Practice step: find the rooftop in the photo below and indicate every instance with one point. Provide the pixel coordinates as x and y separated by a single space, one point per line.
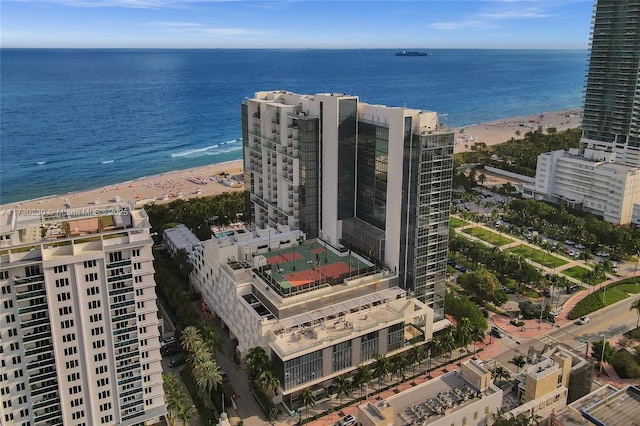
33 226
432 400
308 266
330 323
621 408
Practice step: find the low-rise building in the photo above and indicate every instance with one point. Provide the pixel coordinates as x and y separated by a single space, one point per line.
179 238
544 385
460 397
604 406
592 181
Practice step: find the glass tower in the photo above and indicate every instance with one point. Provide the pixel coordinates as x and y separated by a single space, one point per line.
612 96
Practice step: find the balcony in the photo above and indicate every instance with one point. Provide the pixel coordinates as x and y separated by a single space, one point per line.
29 280
34 308
131 392
119 277
36 336
27 323
41 349
125 262
127 355
129 380
29 294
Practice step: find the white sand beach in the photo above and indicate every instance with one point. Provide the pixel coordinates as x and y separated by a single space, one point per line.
501 131
188 183
161 188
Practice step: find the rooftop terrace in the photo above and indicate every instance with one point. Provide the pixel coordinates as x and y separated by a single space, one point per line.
308 266
32 226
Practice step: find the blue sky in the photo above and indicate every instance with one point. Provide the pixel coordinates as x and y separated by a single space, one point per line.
296 24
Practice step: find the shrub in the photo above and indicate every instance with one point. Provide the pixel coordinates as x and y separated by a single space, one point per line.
589 304
626 365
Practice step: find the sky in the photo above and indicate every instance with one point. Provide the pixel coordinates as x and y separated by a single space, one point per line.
420 24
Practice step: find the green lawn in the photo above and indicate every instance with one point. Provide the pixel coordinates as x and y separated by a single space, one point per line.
619 292
579 273
614 293
454 222
538 256
488 236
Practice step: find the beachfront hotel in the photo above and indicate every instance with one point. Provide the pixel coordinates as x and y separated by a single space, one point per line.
603 175
346 255
79 326
368 178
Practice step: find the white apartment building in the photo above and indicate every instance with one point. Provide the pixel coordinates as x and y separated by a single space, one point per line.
78 325
318 312
369 178
591 181
179 238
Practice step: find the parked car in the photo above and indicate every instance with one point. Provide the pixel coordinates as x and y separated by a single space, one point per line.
167 341
177 362
349 420
171 350
583 320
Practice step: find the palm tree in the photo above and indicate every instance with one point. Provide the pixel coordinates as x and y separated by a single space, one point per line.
175 397
381 366
307 400
257 360
636 305
500 373
342 385
399 365
447 340
362 376
463 332
190 338
416 355
519 361
477 335
207 377
186 412
269 383
200 355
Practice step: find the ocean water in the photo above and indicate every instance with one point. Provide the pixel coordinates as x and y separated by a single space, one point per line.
73 119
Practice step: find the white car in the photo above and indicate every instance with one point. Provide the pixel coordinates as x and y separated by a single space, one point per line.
167 341
349 420
583 320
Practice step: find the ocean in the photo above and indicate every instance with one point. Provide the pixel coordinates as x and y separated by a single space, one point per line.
74 119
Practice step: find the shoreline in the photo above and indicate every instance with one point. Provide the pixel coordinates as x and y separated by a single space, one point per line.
168 186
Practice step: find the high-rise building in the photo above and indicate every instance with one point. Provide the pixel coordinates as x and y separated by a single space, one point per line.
612 98
603 175
78 324
368 178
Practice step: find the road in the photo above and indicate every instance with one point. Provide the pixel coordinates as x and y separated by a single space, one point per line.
611 321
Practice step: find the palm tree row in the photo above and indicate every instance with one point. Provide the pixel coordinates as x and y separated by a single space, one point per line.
178 406
260 371
201 352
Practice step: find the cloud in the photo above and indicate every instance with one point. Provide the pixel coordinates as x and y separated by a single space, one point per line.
195 27
463 25
489 19
530 12
172 24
